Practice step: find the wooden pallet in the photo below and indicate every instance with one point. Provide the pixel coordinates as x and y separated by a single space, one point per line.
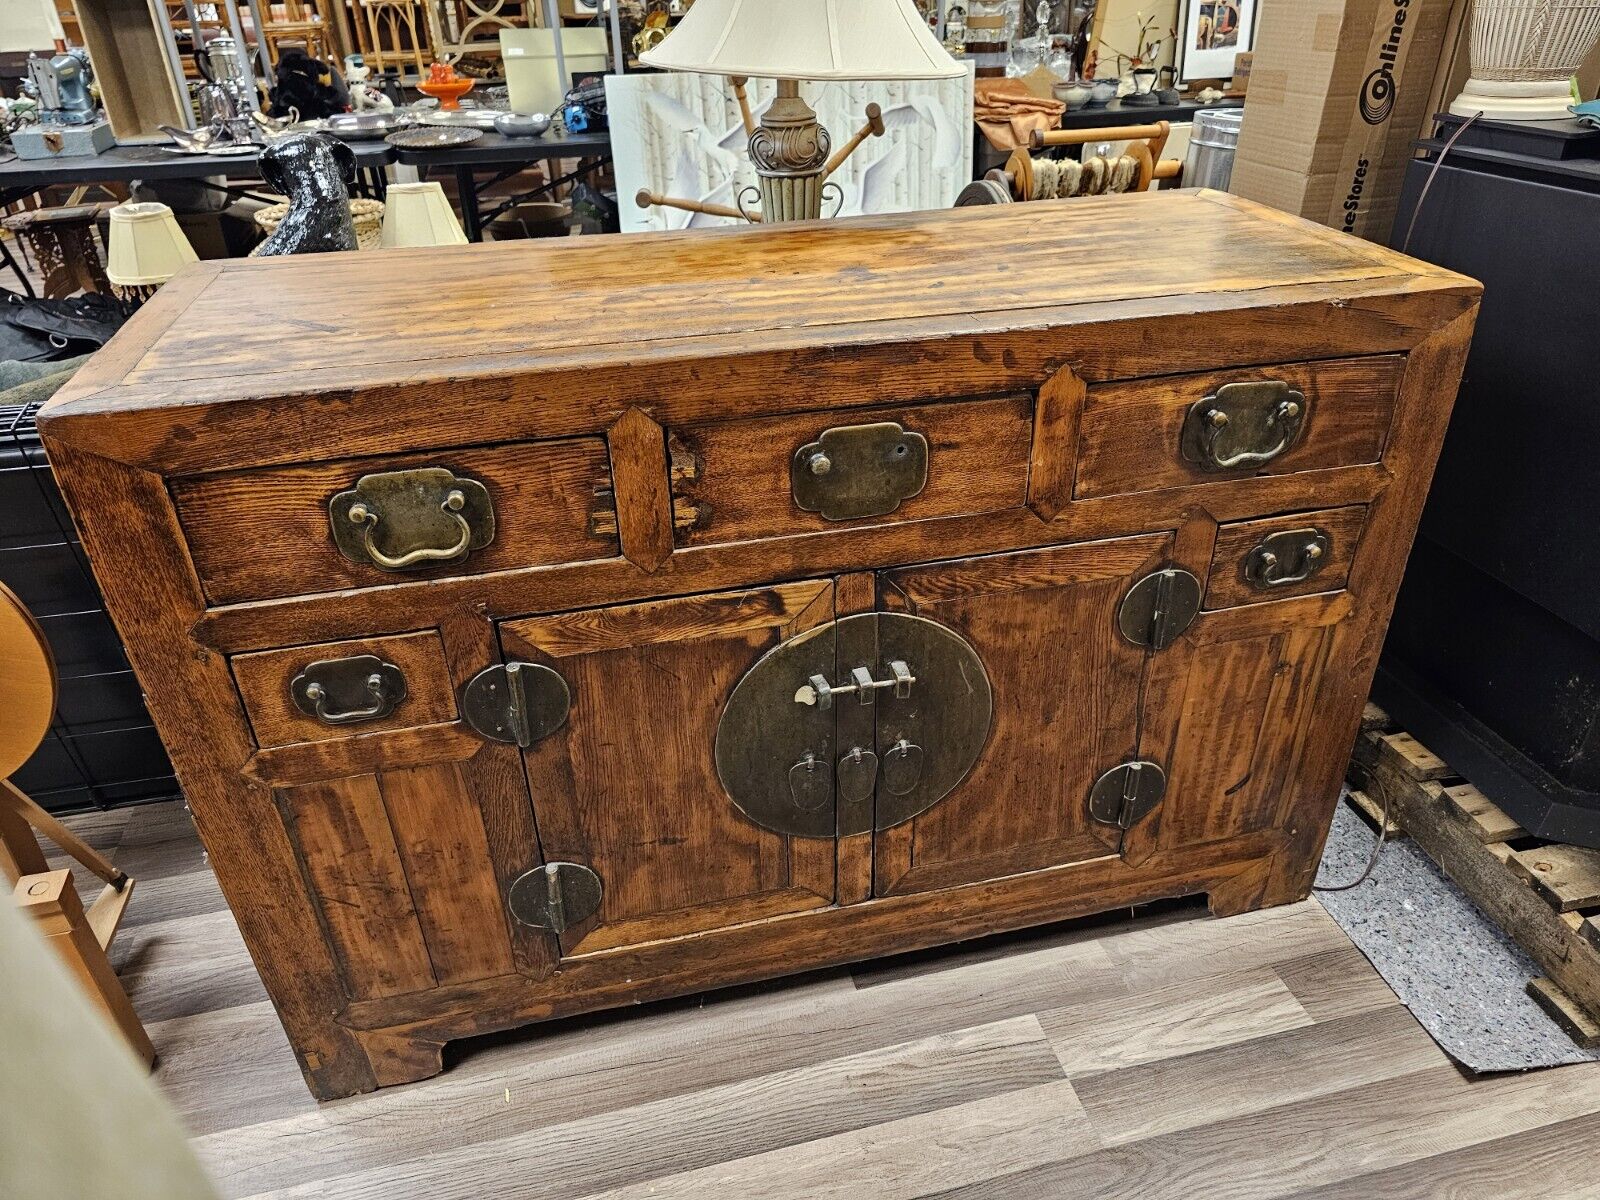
1544 895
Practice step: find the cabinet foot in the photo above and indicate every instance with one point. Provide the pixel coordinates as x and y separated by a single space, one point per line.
400 1057
1242 892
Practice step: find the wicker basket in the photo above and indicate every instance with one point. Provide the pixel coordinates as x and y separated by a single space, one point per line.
1516 40
367 215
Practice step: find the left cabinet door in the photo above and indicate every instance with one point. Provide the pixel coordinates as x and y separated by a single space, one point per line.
628 786
408 826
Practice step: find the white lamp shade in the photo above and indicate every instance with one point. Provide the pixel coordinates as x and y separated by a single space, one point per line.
147 247
417 214
805 39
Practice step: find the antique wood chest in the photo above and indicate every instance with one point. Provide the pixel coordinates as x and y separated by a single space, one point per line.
543 628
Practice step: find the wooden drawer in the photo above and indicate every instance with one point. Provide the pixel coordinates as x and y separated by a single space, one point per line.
1131 438
1236 566
731 480
260 534
265 681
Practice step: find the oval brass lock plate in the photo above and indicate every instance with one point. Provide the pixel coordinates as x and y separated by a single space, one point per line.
409 520
1243 425
766 740
929 736
347 691
855 471
924 691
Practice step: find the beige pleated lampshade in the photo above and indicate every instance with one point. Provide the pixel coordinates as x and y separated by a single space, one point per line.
805 39
417 214
147 247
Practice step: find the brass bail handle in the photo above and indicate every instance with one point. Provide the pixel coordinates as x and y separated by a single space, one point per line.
377 686
1217 420
452 505
819 692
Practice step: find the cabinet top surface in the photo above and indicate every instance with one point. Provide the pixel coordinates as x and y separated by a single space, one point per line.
272 328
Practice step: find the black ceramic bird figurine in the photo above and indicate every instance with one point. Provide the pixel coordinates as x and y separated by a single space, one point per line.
315 171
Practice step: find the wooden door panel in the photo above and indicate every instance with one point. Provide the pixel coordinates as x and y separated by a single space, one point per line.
628 786
1066 696
400 860
1228 731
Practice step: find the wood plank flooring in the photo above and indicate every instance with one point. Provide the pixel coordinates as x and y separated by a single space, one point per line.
1162 1055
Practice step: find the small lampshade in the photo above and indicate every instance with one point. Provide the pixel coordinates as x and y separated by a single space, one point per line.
417 214
805 39
147 247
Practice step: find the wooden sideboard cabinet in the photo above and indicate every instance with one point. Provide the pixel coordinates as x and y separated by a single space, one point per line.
541 628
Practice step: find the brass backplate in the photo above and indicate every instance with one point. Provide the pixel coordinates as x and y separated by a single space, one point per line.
517 702
1243 425
555 897
764 734
854 471
1159 607
409 520
946 716
347 691
893 742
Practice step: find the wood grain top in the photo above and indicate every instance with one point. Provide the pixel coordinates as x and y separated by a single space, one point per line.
248 329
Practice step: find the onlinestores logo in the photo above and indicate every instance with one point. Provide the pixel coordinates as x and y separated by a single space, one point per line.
1377 92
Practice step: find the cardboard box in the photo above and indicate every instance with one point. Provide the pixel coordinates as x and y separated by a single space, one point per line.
1337 93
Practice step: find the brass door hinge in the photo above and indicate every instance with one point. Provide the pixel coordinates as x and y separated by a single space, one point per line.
1127 793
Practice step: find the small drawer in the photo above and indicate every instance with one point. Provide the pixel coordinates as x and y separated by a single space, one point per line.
254 535
414 688
1277 557
736 481
1144 435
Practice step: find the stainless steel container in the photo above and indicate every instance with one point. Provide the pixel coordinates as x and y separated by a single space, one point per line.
1211 147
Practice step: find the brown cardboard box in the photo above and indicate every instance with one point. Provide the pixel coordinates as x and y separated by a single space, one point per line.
1337 91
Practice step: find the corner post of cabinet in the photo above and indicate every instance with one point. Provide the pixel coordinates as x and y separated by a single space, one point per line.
151 591
1421 415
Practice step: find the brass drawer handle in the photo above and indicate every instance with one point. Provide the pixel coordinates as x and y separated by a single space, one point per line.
454 502
398 520
347 691
1292 556
1243 425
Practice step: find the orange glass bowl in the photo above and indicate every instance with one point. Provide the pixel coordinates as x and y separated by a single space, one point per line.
447 91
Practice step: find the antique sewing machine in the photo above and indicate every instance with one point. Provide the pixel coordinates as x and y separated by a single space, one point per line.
70 122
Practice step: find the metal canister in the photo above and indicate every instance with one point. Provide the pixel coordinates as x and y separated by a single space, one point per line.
1211 146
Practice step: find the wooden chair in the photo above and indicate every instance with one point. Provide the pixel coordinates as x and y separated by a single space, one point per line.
81 936
394 34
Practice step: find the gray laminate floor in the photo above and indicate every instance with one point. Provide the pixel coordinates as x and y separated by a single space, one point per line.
1170 1055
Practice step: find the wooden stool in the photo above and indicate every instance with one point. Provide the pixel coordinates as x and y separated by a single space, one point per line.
81 936
62 241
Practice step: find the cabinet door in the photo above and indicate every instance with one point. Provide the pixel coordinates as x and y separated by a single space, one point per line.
628 785
1066 688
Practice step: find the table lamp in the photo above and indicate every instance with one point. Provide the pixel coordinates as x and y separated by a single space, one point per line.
146 248
792 40
417 214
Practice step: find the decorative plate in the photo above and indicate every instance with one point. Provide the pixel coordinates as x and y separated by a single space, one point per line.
433 137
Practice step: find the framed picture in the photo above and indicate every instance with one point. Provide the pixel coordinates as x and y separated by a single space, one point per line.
1210 34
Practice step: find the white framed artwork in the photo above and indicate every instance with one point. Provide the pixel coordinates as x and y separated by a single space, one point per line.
1211 34
680 134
